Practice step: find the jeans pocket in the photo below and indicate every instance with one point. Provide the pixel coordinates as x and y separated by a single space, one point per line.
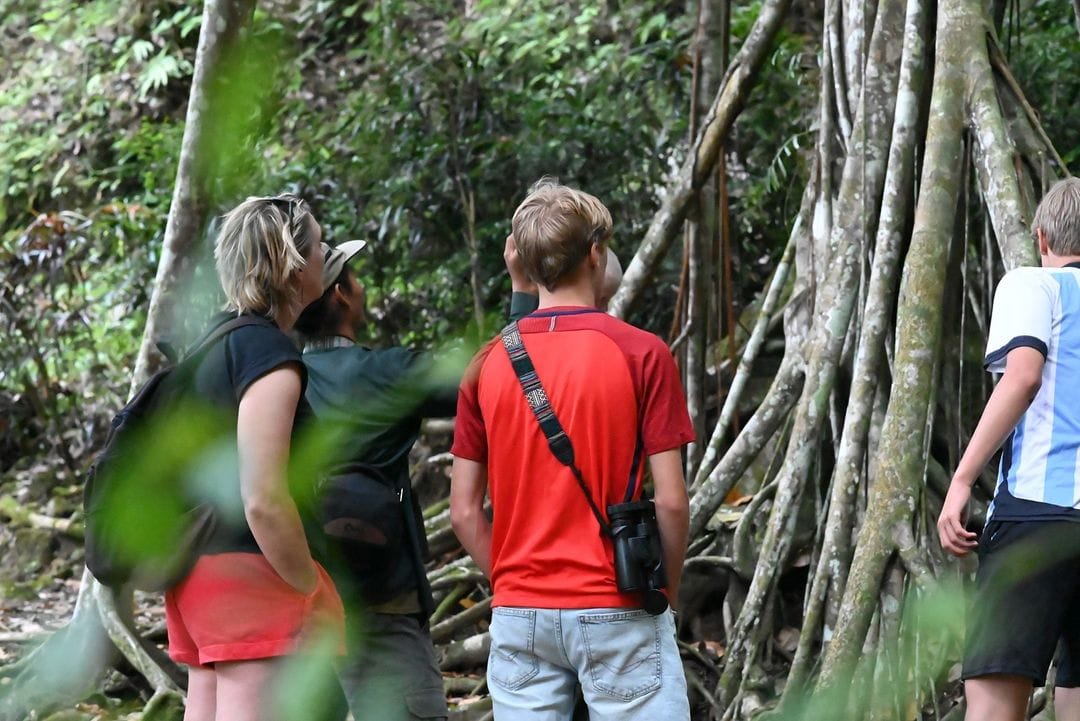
623 652
512 663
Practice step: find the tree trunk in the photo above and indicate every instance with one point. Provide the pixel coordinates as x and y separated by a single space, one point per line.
862 178
831 571
962 84
918 329
222 21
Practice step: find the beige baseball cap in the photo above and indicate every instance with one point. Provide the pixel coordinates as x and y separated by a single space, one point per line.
335 257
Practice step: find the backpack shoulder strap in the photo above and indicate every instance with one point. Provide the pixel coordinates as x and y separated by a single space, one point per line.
221 331
537 398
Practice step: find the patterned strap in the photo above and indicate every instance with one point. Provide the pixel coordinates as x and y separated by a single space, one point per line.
558 441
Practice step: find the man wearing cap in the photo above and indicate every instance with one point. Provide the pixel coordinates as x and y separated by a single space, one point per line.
378 398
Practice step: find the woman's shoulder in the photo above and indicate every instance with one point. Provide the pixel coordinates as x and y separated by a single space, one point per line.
254 350
261 337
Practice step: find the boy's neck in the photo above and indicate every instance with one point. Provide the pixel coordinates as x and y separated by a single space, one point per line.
563 297
579 294
1050 260
346 330
578 289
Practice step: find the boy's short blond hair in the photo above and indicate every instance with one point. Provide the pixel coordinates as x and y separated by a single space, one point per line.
261 244
1058 216
555 227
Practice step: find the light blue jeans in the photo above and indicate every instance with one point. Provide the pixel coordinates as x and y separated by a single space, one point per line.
626 661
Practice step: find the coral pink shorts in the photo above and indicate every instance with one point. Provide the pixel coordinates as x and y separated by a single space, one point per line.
235 607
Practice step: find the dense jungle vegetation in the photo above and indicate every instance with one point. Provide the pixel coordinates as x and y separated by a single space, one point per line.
405 123
417 125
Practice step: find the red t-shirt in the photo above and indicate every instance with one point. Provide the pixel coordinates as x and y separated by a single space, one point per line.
608 383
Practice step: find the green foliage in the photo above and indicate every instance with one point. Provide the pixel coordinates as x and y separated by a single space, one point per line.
242 99
1042 49
90 78
180 456
84 188
68 309
443 113
312 689
91 121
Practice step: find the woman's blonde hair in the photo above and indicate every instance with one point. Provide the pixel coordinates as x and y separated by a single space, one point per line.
261 244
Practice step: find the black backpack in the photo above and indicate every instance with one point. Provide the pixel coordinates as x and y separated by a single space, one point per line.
142 526
364 536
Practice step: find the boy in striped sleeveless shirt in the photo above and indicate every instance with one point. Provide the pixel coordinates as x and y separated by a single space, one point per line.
1027 589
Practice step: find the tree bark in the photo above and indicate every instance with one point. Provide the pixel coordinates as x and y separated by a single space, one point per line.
900 464
763 425
746 364
702 229
996 160
831 570
718 475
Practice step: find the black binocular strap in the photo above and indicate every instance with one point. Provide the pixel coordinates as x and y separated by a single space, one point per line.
558 441
639 447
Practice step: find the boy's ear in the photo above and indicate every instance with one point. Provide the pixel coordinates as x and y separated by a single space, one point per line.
596 251
1044 246
340 296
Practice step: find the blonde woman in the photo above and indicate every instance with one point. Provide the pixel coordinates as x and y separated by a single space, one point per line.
256 593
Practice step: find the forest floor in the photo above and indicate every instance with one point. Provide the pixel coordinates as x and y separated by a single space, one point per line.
27 619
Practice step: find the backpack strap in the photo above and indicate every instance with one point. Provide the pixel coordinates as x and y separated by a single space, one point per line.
221 331
558 441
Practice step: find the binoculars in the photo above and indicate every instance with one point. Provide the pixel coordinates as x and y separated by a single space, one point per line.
639 560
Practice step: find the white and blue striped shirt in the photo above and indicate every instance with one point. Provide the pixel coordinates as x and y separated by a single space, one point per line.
1039 475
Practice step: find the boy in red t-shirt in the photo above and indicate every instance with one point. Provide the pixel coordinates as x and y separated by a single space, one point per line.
558 617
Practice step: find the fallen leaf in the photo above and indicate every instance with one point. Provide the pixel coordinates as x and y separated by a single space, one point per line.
734 498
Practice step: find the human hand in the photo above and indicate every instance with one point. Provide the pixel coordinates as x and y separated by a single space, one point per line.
519 280
305 583
955 538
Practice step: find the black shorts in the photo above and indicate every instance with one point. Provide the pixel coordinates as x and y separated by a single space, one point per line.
1027 602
